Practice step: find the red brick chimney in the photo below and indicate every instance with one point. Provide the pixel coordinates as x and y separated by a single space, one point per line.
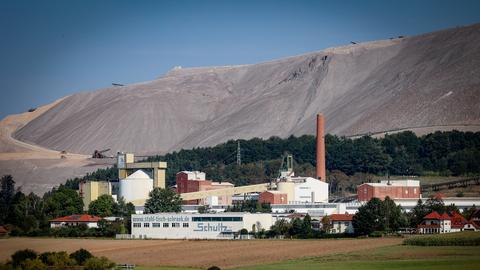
321 173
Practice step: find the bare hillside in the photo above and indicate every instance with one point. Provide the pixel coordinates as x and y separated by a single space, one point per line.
431 79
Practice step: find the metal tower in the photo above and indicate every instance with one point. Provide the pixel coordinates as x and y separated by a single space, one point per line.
239 155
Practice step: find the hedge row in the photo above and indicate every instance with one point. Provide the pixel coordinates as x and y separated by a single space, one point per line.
453 239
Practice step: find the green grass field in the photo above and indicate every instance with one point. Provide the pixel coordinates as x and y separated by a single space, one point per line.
394 257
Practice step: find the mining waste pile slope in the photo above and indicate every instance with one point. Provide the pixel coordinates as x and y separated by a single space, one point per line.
431 79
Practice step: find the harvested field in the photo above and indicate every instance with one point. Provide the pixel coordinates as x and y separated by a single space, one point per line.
226 254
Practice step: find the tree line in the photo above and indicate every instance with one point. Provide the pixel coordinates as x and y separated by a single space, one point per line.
29 214
440 153
451 153
28 259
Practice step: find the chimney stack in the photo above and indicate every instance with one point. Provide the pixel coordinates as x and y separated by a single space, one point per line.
321 174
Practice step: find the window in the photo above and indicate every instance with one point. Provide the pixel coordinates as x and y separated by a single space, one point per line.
146 225
217 219
137 225
156 225
365 190
185 225
346 223
165 225
414 190
175 225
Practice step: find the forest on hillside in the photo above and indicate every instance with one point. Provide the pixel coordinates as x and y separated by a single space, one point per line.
440 153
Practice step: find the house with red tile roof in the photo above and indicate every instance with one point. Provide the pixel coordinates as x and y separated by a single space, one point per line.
458 221
435 223
474 222
75 220
341 223
447 222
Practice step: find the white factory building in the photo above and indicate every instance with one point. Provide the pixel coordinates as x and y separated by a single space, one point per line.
197 226
308 189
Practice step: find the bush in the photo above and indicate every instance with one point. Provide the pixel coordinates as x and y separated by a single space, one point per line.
20 256
59 260
44 257
6 266
81 255
101 263
214 268
35 264
376 234
452 239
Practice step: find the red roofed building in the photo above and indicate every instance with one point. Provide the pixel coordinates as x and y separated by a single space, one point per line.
75 220
474 222
445 223
458 221
341 223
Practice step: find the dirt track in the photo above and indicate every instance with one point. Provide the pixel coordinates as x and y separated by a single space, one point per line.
225 254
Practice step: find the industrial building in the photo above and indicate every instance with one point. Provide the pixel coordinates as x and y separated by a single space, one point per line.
195 181
395 189
126 165
286 189
197 226
136 180
91 190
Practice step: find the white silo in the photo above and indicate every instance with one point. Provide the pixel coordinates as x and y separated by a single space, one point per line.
136 187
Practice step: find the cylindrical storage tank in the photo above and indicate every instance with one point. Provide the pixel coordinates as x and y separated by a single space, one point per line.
288 188
135 187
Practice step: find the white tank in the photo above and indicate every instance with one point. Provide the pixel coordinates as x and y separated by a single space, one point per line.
135 187
288 188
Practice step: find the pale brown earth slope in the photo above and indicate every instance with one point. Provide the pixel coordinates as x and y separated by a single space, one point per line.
37 168
420 82
431 79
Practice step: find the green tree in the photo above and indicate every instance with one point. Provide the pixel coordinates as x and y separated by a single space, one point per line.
62 202
7 192
123 209
395 218
103 206
467 213
369 218
417 214
296 227
81 255
20 256
307 226
163 200
435 204
280 227
326 225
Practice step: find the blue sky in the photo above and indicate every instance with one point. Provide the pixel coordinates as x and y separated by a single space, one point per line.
50 49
